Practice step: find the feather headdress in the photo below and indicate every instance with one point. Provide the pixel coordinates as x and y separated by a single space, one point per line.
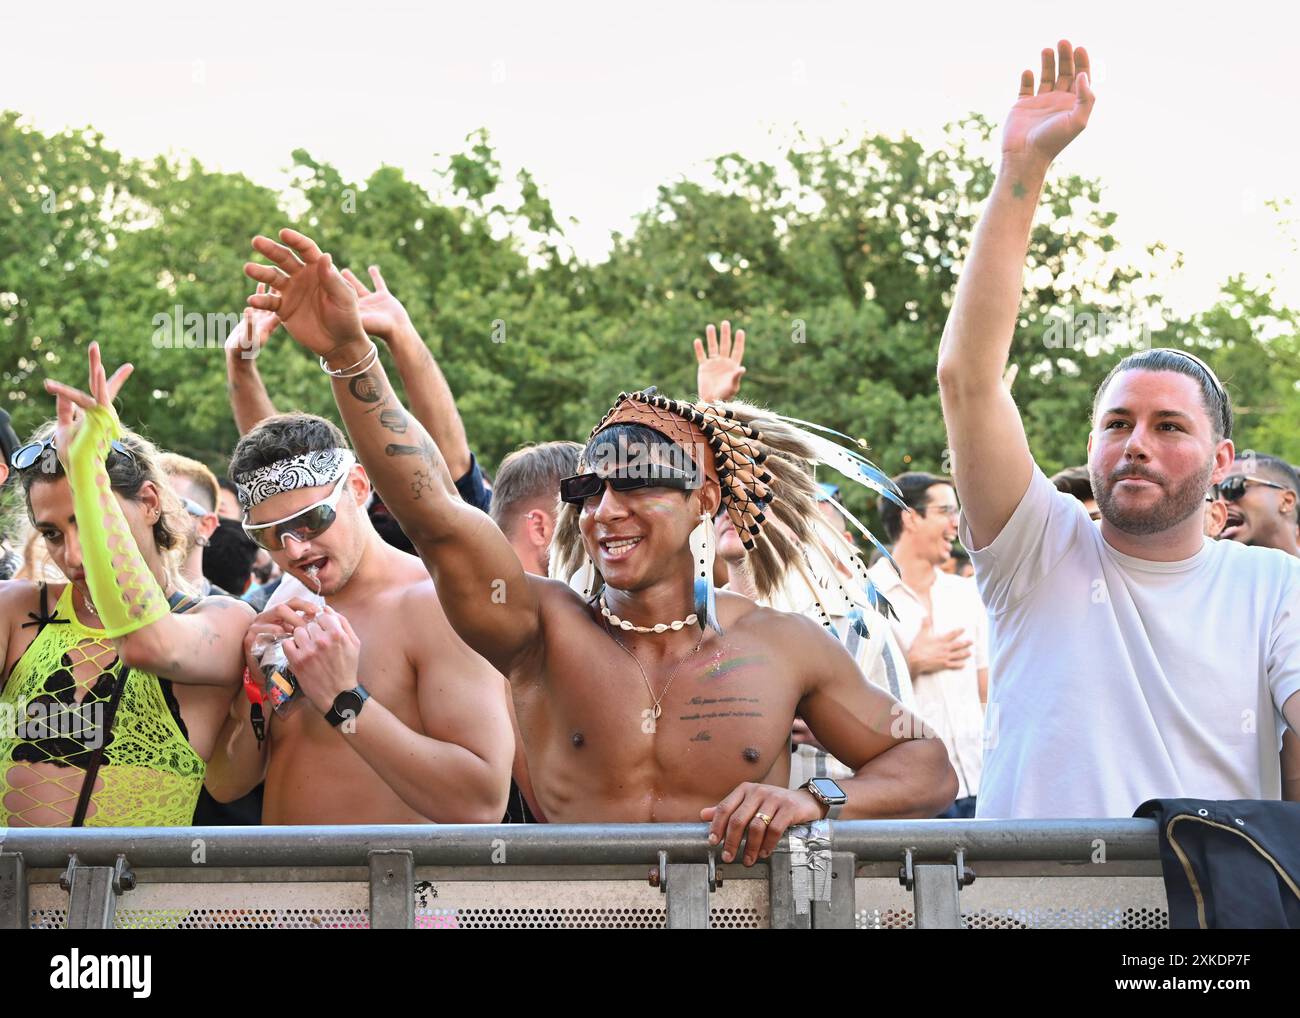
763 464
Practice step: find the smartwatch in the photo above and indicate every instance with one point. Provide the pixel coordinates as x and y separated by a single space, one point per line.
829 794
347 704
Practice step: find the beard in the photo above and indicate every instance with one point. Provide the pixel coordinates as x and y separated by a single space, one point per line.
1175 506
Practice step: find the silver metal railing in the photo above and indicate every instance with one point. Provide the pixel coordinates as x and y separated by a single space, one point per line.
865 874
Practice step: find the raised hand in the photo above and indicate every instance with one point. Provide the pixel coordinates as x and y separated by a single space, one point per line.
382 314
719 372
308 294
71 401
1041 125
254 329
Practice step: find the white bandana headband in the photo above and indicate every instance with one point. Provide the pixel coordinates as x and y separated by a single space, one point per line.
309 470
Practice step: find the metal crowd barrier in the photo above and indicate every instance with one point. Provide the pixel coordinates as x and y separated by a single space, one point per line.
864 874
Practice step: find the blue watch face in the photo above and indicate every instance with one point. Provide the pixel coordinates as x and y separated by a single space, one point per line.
827 788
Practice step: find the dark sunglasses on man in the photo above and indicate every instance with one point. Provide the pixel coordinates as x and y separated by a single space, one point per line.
302 526
1231 489
32 453
577 489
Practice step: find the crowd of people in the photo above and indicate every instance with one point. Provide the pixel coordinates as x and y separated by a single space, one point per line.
674 618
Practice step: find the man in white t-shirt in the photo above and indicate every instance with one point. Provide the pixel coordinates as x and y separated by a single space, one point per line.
941 624
1132 658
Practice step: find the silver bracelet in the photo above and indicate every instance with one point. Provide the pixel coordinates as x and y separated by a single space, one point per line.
352 370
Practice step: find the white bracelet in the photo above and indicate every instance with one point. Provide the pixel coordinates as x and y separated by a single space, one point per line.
352 370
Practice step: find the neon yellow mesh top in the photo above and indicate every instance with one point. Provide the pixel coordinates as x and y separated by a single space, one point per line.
150 775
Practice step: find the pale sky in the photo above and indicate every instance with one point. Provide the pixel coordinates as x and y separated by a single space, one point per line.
1194 129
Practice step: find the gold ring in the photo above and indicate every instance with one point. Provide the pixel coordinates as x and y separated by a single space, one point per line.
765 818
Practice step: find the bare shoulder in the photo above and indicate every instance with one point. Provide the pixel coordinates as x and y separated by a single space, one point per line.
224 611
768 624
806 648
556 596
17 595
416 611
20 599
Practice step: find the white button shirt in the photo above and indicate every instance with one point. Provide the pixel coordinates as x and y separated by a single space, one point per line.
948 700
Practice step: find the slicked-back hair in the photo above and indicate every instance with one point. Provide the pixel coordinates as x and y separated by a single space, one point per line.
529 475
282 437
913 485
1214 397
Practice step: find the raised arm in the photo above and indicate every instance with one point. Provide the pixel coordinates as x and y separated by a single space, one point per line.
201 647
991 459
488 598
427 392
249 400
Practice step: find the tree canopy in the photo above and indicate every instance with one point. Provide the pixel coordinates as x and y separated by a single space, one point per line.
840 262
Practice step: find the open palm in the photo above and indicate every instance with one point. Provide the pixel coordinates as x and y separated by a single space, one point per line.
1041 125
382 314
719 372
312 300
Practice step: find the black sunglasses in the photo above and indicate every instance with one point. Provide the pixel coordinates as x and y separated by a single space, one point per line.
1231 489
577 489
30 454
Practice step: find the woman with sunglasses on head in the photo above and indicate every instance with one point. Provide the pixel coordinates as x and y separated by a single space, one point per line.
118 680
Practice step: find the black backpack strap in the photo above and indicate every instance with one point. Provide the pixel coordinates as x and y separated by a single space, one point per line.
180 602
97 757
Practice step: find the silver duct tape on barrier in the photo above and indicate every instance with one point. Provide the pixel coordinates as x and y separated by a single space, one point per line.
810 864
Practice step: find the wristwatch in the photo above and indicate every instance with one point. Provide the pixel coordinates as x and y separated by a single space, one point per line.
829 794
347 704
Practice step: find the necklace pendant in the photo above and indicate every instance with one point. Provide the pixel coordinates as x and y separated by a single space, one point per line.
658 711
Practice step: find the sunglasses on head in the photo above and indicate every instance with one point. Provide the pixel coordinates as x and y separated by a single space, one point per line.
1231 489
577 489
29 455
304 525
192 507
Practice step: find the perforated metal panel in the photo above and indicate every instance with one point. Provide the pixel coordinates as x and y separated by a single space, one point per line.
574 904
880 903
1024 903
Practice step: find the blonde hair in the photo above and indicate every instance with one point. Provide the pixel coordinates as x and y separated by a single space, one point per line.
176 465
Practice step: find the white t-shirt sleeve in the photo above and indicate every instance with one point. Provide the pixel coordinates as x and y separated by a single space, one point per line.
981 633
1284 649
1044 527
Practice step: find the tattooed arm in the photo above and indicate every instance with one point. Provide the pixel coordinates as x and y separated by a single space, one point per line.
992 464
489 600
427 391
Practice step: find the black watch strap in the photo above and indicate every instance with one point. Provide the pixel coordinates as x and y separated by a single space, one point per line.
347 704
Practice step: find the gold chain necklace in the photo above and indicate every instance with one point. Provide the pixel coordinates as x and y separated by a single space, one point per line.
657 710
